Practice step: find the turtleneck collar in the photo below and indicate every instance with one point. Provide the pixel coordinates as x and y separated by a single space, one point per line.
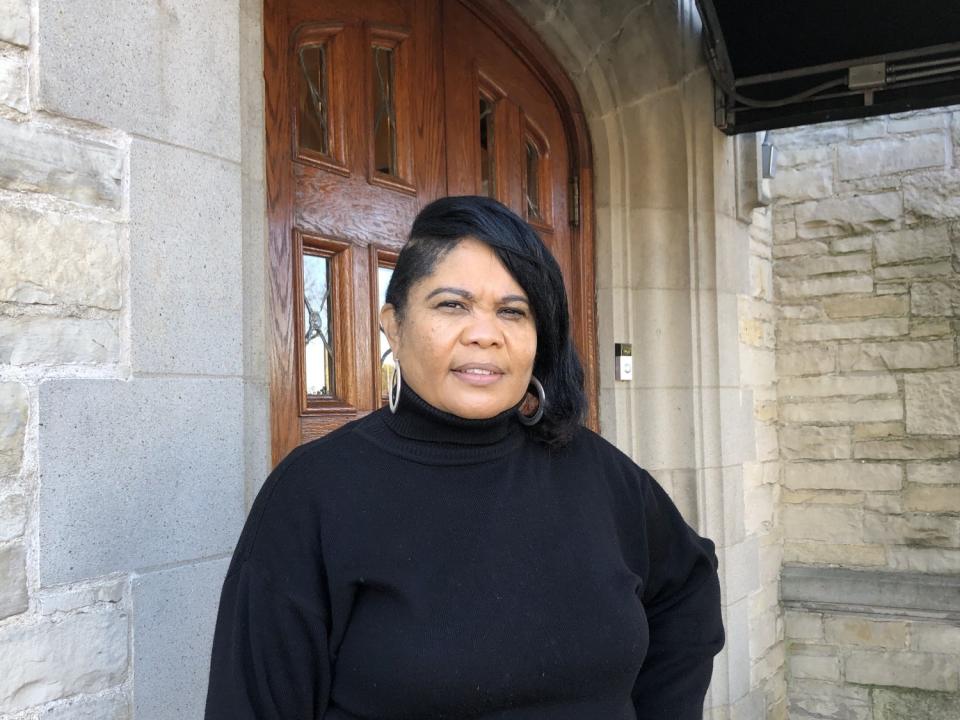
421 432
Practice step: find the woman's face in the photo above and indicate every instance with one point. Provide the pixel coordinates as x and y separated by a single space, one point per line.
467 340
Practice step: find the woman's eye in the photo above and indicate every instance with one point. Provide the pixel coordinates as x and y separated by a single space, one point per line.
514 312
455 304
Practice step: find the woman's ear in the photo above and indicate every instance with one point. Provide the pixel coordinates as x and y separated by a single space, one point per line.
391 327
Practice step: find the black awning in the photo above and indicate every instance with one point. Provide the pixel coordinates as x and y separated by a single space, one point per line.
781 63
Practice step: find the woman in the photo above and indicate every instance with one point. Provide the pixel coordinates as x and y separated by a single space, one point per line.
470 551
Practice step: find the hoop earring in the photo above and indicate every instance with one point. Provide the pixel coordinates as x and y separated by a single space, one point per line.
396 383
542 397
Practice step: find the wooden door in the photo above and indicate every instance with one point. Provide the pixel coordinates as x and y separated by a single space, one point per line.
375 108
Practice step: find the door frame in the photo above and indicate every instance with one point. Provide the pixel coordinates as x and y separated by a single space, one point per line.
503 19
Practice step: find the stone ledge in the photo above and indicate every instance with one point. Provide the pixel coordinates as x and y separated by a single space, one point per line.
871 592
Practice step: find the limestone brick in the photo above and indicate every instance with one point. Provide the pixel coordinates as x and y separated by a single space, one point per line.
888 503
829 285
785 230
13 82
15 21
933 402
824 497
899 703
896 355
935 637
947 473
800 312
57 259
914 529
892 155
806 266
809 361
851 245
869 128
902 669
833 385
828 524
818 553
907 449
814 442
829 411
804 248
803 156
13 516
869 431
815 667
854 630
866 306
927 560
911 244
52 340
80 653
843 476
45 161
928 498
872 328
801 625
891 288
13 419
805 183
928 327
108 706
935 298
908 272
934 195
915 120
13 580
822 700
855 215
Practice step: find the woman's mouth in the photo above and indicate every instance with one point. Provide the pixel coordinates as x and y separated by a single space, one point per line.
478 374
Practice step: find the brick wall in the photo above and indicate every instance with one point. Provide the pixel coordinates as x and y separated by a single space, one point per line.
867 275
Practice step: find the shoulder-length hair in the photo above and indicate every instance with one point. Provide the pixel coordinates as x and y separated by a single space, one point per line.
439 227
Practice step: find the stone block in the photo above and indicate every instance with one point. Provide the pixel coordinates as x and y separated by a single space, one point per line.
914 529
843 476
15 22
818 553
855 215
46 340
45 161
911 244
806 183
831 411
891 288
933 402
868 128
889 704
803 625
867 306
946 473
829 285
815 667
932 194
13 580
181 79
813 442
804 248
892 155
110 706
799 156
897 355
13 516
902 669
823 523
938 298
870 431
928 498
835 385
809 311
79 597
81 653
823 497
935 637
184 273
14 406
13 82
659 252
809 361
822 700
174 615
851 245
862 631
923 328
925 560
51 259
845 330
824 265
915 120
909 272
172 438
661 445
906 449
665 185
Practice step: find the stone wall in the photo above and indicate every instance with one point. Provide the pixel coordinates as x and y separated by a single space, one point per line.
867 267
133 420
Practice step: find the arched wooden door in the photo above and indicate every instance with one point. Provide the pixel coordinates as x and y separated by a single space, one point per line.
375 108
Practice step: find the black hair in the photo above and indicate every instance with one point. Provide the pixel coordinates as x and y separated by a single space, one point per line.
439 227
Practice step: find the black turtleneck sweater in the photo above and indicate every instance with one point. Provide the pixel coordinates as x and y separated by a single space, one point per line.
422 566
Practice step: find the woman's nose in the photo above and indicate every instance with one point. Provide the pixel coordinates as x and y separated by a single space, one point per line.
482 330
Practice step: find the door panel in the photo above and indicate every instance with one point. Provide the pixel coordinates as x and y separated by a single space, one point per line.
373 110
